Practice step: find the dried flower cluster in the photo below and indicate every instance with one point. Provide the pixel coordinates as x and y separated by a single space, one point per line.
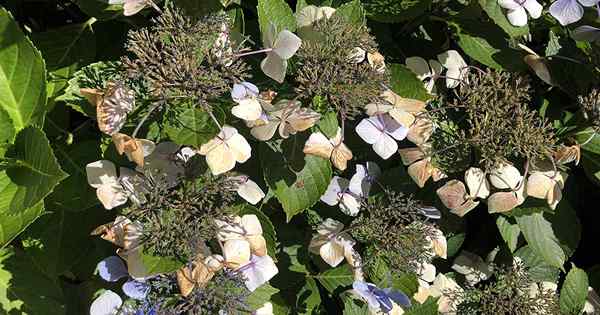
334 67
509 291
501 125
182 59
392 227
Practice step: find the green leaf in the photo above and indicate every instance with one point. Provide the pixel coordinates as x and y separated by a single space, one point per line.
591 140
308 298
65 50
276 12
540 236
539 270
155 264
498 15
335 278
13 224
91 76
100 9
193 127
260 296
24 289
22 76
393 11
486 44
298 180
74 194
352 12
352 308
429 307
509 231
455 242
328 125
591 166
574 291
405 83
60 239
36 174
7 130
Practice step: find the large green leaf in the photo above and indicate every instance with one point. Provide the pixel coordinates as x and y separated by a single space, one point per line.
100 9
574 291
65 50
7 131
13 224
192 127
74 193
276 12
429 307
406 84
60 239
24 289
90 76
309 298
298 180
352 11
485 43
22 75
509 231
393 11
497 14
538 269
335 278
261 296
34 172
541 238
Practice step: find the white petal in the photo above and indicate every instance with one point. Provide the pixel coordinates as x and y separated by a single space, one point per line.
368 130
248 109
332 194
236 252
239 147
106 304
274 67
451 59
251 192
220 159
358 184
318 145
332 253
350 204
286 44
385 147
477 183
534 8
419 66
100 173
505 176
266 309
111 195
517 17
262 270
251 224
426 272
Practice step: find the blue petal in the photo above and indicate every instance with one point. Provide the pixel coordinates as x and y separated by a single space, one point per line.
364 289
398 297
112 269
135 289
384 301
566 11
